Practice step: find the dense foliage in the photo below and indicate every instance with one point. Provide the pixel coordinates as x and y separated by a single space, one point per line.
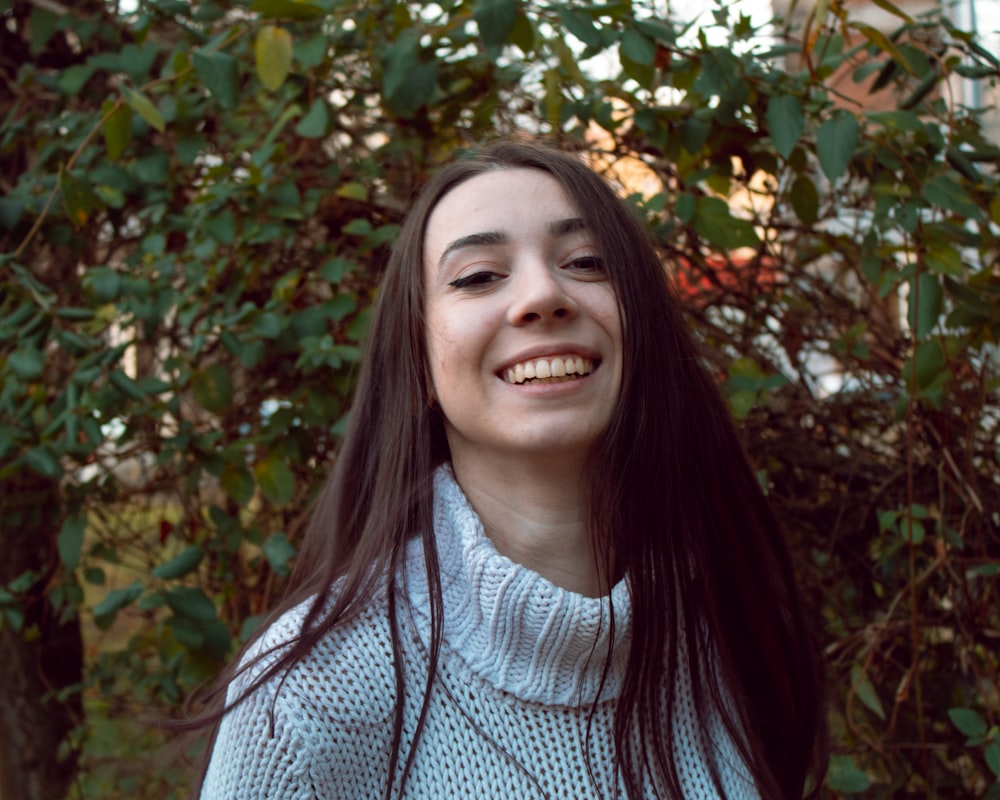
197 199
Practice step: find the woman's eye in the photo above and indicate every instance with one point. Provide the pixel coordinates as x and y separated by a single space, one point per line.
474 279
587 264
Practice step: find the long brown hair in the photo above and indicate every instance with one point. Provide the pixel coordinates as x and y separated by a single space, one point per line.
673 496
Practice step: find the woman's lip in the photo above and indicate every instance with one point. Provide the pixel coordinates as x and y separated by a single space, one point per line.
552 388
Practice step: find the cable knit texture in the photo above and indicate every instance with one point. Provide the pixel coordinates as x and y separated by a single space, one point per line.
522 662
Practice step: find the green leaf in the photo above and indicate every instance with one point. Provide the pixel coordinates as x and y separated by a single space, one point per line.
152 168
117 129
981 51
250 624
220 74
287 9
334 270
73 79
237 482
694 134
741 402
42 25
407 82
316 120
963 164
269 326
912 530
144 107
74 313
357 331
416 91
78 197
117 599
968 722
581 25
104 282
897 120
42 460
805 199
922 89
189 633
399 61
522 35
882 42
495 19
11 210
714 221
311 52
944 259
275 479
975 71
216 640
947 193
637 47
222 227
273 56
656 30
357 227
844 776
212 387
866 691
138 60
785 122
685 207
279 552
181 564
895 10
929 360
70 540
124 384
27 364
553 98
836 140
925 304
192 603
353 191
722 74
992 754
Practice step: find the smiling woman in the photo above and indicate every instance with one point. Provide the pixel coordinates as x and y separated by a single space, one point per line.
515 284
542 566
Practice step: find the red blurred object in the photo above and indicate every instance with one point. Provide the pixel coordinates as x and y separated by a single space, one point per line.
709 281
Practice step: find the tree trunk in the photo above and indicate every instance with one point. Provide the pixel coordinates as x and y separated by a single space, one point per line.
41 663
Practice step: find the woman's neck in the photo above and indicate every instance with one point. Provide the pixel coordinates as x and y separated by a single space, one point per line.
536 514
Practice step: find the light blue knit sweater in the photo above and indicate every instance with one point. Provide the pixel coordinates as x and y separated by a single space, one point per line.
520 666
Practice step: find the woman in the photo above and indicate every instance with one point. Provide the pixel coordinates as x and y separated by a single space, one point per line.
542 566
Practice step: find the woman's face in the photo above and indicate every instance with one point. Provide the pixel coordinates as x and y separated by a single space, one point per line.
524 335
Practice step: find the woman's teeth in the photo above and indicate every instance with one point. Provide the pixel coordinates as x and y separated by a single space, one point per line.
559 367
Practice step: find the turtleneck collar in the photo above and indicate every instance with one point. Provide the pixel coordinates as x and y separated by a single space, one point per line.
512 627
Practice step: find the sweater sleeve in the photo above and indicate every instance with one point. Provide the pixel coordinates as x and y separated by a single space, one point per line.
262 752
319 731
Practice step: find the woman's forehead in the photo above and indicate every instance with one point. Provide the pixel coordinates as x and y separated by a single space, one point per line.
497 203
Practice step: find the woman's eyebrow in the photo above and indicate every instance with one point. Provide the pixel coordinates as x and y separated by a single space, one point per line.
564 227
557 228
485 238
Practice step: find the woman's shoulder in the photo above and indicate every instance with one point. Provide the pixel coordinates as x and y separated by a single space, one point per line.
346 676
314 726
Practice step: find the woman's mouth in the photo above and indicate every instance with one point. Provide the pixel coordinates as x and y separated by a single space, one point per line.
552 369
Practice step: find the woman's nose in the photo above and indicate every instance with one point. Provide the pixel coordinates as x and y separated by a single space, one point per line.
539 296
